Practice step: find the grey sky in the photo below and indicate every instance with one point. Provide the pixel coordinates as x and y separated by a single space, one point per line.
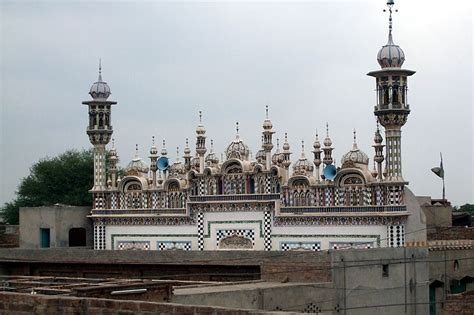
165 61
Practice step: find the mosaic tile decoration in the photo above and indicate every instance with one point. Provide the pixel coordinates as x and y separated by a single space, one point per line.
173 245
294 245
267 230
133 245
396 235
351 245
247 233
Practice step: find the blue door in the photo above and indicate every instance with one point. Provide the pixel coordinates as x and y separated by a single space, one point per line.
44 238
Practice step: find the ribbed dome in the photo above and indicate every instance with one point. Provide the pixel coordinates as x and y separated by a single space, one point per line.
212 159
100 89
177 168
356 156
260 156
237 149
302 166
390 55
136 165
195 162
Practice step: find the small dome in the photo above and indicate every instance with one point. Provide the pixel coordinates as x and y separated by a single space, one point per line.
316 144
200 130
195 162
267 124
136 165
187 150
390 55
100 89
237 149
356 156
378 137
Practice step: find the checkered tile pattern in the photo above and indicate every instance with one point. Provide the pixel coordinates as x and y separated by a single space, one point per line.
312 309
351 245
201 187
99 202
287 246
144 200
113 201
173 245
200 223
128 245
247 233
122 201
379 196
99 236
329 194
368 196
268 185
396 235
267 230
154 200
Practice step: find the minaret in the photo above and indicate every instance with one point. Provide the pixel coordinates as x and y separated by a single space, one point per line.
267 140
201 143
99 129
187 156
378 158
327 160
317 155
392 107
286 156
113 165
153 158
164 153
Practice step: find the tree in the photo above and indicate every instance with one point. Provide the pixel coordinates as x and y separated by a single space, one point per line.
469 208
64 179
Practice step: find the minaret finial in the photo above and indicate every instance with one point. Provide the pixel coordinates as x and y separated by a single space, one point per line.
278 144
113 143
136 149
327 129
177 153
355 136
212 146
200 117
100 70
164 143
153 140
286 137
302 146
187 142
237 127
266 110
390 4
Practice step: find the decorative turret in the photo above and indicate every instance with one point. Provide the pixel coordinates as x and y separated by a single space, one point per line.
267 139
177 169
327 160
392 107
260 155
355 157
201 143
137 167
211 158
187 156
277 157
286 162
378 158
113 165
100 128
317 155
237 149
164 153
302 166
153 158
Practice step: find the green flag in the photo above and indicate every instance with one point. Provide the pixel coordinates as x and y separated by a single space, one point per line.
439 170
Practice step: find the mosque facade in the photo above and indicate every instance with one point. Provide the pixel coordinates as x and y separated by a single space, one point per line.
268 202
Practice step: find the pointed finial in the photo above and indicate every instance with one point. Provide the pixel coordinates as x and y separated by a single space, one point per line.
113 143
278 143
136 149
316 133
286 137
390 4
164 143
302 146
100 70
266 109
200 117
237 127
177 153
355 136
212 145
327 129
187 142
153 140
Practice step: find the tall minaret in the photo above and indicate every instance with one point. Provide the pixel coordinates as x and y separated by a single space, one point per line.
327 160
201 143
153 157
317 156
99 129
392 107
267 140
286 157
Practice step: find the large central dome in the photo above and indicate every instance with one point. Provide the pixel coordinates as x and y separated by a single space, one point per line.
237 149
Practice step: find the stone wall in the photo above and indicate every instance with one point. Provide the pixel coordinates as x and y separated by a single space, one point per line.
9 236
452 233
20 303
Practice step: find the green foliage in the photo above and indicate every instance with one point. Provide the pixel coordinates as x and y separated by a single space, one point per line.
469 208
64 179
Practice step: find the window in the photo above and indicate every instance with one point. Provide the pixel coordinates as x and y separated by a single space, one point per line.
44 238
77 237
385 270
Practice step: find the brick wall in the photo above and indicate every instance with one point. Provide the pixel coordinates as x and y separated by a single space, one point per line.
9 236
20 303
452 233
460 304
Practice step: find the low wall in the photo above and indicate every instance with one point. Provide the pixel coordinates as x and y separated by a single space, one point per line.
460 304
451 233
20 303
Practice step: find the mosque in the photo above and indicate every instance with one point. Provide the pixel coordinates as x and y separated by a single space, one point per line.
269 202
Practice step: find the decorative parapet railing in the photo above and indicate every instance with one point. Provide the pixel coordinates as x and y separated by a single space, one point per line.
168 211
350 209
234 198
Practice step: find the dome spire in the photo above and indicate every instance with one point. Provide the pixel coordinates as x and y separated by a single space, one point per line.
163 150
390 55
390 4
100 70
136 150
302 149
354 145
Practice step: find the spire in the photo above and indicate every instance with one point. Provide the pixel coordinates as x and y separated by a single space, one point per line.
177 153
200 117
163 150
327 141
136 150
266 110
302 150
237 129
354 145
100 70
278 145
113 143
212 146
390 4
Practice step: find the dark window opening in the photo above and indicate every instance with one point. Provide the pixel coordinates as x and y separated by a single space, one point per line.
77 237
385 270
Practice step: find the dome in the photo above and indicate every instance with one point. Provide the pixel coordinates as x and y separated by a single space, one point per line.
267 124
237 149
195 162
302 166
355 156
211 159
200 130
260 156
177 168
390 55
135 166
100 89
316 144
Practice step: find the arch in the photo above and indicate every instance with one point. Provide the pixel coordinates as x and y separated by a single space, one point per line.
298 180
127 179
77 237
172 184
344 177
232 166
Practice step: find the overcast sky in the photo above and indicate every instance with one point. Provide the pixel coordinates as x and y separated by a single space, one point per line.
165 61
